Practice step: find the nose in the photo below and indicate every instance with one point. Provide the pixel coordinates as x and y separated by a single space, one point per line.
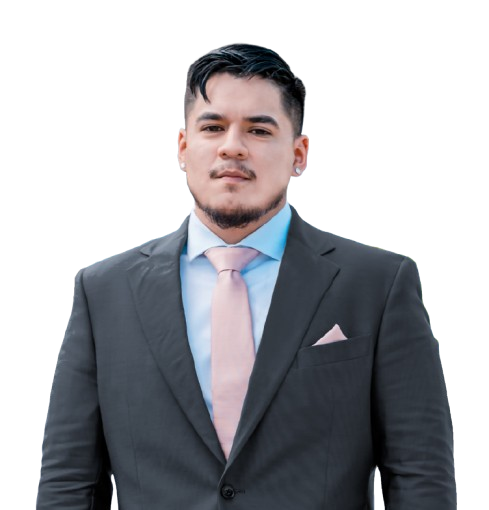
233 145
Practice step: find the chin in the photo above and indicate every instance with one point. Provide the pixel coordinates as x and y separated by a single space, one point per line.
232 199
238 215
232 206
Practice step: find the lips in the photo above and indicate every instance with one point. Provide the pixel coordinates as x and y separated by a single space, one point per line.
232 175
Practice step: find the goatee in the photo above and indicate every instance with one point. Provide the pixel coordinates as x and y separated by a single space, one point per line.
240 217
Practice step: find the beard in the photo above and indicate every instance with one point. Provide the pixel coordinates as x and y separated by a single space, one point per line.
241 216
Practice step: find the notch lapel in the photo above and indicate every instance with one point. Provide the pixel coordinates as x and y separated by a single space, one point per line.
156 288
304 277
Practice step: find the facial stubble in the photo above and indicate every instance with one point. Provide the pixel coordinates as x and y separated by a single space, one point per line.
241 216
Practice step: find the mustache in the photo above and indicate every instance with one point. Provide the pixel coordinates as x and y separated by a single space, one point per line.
232 165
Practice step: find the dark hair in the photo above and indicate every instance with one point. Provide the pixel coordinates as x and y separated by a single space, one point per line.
246 61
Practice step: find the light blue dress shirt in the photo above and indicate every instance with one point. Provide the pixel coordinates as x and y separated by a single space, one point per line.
199 277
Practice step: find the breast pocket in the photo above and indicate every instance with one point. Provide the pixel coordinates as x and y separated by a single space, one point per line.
343 350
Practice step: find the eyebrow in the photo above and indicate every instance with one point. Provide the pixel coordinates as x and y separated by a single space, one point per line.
262 119
209 116
255 119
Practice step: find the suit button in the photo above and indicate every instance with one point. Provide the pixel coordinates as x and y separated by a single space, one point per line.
228 492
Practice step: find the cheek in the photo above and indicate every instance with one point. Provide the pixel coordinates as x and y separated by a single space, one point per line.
272 183
198 164
193 157
279 160
196 151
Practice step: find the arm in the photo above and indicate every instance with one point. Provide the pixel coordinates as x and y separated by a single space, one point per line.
75 471
411 416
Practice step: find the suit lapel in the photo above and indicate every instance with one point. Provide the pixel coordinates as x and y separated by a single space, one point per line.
304 277
156 288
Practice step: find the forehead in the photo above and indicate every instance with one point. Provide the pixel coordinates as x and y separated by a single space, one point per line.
239 97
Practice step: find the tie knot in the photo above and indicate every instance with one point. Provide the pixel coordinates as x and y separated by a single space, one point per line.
236 259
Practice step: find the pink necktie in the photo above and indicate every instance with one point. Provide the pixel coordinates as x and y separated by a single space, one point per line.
233 349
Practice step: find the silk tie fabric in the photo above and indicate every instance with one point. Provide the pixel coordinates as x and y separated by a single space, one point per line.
232 345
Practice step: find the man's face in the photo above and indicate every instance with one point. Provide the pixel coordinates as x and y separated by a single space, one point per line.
239 150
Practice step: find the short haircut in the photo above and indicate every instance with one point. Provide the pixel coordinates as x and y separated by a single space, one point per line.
246 61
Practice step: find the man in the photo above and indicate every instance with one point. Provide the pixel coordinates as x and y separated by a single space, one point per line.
247 360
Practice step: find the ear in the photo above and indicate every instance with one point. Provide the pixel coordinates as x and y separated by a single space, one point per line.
182 145
301 148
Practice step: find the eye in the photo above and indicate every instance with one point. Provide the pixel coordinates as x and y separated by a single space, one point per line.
212 129
260 132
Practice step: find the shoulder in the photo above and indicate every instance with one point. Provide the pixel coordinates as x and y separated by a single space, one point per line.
360 260
118 262
329 242
354 251
370 268
162 247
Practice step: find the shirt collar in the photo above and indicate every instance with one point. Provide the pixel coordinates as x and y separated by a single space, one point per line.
269 239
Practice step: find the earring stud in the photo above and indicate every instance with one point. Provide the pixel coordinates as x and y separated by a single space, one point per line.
298 171
182 166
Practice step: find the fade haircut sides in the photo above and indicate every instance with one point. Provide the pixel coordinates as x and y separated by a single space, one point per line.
246 61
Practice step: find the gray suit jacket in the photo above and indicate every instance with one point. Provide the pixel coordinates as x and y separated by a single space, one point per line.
316 420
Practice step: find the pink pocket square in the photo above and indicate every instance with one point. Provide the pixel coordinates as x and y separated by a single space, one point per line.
333 335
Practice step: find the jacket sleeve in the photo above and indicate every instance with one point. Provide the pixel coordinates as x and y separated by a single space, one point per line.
75 472
411 417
